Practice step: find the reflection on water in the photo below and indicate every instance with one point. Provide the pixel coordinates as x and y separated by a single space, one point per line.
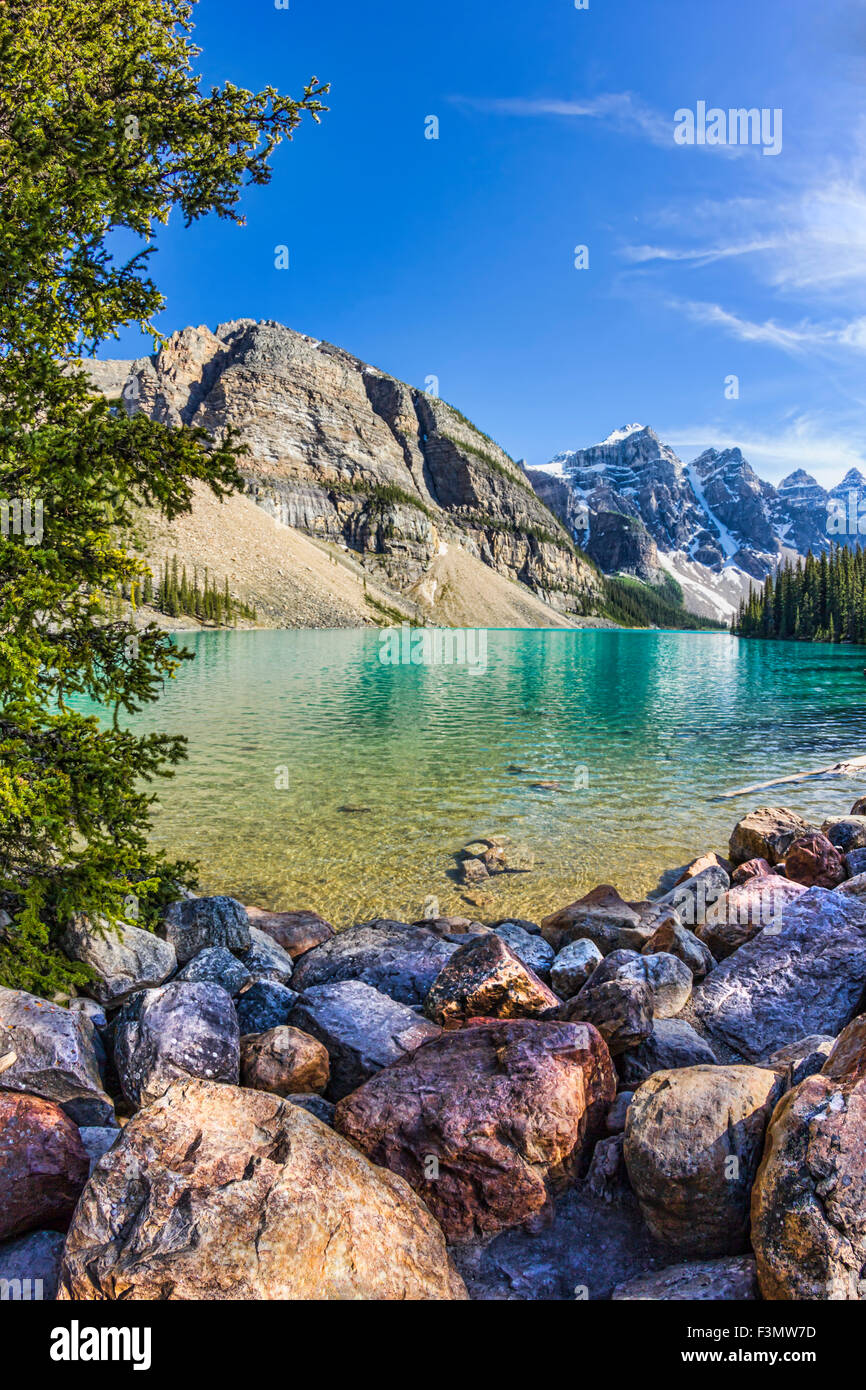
640 729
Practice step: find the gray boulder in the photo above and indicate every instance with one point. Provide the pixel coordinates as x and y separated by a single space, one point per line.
97 1141
692 899
392 957
672 1044
267 960
803 1058
30 1265
847 834
573 967
265 1005
315 1105
124 959
178 1031
195 923
806 975
529 947
217 966
55 1056
732 1279
855 862
363 1030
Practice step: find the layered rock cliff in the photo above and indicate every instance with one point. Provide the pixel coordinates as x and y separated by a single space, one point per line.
347 454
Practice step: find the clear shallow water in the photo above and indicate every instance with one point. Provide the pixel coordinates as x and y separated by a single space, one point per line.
655 724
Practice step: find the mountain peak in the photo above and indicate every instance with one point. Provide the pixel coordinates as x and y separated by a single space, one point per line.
624 433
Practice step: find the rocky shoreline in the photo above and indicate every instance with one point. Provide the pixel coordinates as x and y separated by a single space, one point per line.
628 1100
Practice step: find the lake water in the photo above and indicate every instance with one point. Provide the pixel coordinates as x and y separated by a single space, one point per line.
640 729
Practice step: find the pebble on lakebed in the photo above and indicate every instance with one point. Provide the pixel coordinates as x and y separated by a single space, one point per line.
648 1072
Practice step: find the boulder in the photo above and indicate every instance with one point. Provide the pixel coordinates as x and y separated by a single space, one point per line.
691 900
266 959
97 1141
485 979
532 949
847 834
616 1115
194 923
846 1059
668 979
215 1193
672 1045
89 1007
486 1122
55 1056
749 869
853 887
744 911
813 861
362 1029
855 862
284 1061
671 938
296 932
217 966
396 959
693 1142
802 1058
859 807
43 1166
601 917
177 1031
573 966
31 1265
806 975
808 1203
704 861
732 1279
263 1005
766 834
316 1105
620 1009
122 959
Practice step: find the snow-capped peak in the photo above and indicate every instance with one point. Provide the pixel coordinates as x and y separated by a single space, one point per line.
619 435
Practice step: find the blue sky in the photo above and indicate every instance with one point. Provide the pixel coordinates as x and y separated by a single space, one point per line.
454 257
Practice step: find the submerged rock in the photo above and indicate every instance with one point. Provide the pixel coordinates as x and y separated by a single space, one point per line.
484 1121
219 1193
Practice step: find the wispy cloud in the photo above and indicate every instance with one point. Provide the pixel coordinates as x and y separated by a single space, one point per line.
702 255
621 110
802 337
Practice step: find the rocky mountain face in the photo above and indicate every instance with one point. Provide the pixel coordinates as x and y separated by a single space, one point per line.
712 524
345 453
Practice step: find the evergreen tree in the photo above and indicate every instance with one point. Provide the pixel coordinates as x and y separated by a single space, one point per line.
103 126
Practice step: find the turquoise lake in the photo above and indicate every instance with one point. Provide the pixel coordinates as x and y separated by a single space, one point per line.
640 729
